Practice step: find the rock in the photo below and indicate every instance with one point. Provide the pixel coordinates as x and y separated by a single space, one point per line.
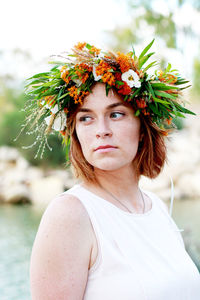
43 190
189 185
33 173
8 154
160 186
17 193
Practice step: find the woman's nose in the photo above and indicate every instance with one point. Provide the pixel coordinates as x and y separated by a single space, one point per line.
103 130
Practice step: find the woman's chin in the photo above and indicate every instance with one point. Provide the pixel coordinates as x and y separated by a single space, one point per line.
109 165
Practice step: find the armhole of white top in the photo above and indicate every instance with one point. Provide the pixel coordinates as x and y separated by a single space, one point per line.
96 232
99 250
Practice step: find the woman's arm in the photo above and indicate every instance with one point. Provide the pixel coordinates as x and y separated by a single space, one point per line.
61 252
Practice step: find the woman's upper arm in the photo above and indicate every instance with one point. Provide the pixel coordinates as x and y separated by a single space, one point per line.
61 252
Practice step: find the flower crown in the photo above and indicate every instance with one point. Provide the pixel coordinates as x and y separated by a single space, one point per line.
51 93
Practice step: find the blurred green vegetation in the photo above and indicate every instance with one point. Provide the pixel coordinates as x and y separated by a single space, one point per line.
11 120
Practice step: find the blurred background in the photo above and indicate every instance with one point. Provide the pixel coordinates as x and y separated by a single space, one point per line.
32 31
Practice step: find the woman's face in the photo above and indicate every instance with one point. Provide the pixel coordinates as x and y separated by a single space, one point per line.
107 130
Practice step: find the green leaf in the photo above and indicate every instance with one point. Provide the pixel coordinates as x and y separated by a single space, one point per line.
185 87
136 93
161 101
88 46
178 114
55 68
59 94
39 75
63 96
168 68
34 82
137 113
150 89
119 82
154 109
179 82
49 83
185 110
150 65
37 90
133 50
49 92
163 86
107 88
144 59
146 49
166 95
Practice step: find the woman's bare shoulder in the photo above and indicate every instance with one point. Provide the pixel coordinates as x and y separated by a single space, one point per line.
68 209
61 251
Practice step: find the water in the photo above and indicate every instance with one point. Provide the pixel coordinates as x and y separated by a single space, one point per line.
18 227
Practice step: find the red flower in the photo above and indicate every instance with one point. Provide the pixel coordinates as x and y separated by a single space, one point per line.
124 89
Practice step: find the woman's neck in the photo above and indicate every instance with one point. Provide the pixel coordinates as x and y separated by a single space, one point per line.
122 183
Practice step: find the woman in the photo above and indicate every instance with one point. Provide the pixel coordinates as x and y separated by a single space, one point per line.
105 238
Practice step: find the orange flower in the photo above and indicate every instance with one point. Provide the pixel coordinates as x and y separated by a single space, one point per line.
50 100
145 112
141 103
102 68
63 132
164 132
82 71
172 78
73 92
78 98
66 110
123 61
80 46
168 77
82 95
64 73
95 50
169 120
109 78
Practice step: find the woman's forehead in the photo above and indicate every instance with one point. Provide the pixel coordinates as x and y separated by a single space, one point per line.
98 98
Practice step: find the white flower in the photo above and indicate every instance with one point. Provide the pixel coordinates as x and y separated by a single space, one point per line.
54 110
59 121
96 78
131 78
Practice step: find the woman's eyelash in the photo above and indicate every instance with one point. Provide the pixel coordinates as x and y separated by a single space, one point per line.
117 113
83 118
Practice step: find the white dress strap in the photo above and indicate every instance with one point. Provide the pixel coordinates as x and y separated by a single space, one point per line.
172 200
172 196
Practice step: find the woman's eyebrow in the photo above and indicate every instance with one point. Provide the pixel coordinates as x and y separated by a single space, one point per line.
107 108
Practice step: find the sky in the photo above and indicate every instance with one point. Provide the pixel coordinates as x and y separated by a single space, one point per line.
46 27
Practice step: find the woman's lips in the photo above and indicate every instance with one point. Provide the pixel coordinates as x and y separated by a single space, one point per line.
106 148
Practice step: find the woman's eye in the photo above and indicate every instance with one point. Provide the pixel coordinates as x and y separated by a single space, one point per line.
85 119
116 115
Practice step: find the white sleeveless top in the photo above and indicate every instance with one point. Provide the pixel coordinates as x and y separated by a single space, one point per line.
140 256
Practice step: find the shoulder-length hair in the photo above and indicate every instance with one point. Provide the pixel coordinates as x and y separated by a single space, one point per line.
149 160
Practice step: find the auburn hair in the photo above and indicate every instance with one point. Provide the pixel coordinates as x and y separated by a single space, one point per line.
149 160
